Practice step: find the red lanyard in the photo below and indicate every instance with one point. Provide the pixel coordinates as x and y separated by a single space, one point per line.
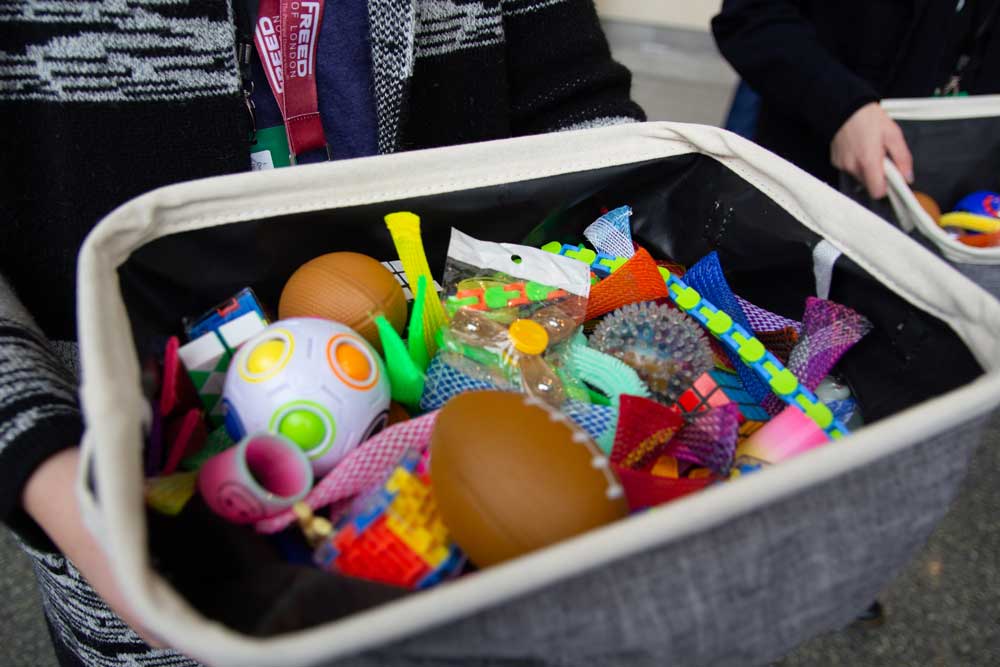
286 36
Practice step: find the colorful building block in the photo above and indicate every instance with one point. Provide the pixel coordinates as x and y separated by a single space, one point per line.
395 535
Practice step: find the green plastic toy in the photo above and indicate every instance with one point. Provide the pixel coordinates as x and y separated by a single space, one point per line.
415 339
406 380
404 227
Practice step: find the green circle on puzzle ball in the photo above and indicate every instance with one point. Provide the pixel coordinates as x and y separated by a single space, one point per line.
303 427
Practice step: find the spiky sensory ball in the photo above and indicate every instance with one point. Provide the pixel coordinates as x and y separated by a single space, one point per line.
666 348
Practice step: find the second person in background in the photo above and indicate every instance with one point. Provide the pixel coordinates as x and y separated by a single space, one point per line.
821 68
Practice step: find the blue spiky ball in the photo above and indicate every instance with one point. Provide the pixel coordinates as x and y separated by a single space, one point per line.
666 348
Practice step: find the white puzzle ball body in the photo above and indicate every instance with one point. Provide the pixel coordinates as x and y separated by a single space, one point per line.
315 381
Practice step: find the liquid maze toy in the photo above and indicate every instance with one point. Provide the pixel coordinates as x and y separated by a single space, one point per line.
395 534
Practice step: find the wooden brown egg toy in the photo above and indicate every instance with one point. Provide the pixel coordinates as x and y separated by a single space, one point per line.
345 287
510 475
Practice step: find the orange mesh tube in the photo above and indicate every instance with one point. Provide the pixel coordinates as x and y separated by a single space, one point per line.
637 280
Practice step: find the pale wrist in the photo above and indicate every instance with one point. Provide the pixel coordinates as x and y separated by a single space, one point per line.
51 488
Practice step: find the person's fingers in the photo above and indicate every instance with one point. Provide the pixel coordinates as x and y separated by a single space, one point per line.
899 152
872 173
837 160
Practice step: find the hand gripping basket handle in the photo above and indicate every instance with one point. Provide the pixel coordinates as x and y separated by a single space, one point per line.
900 197
912 215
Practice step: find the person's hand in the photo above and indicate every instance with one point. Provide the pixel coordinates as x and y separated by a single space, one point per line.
50 499
861 144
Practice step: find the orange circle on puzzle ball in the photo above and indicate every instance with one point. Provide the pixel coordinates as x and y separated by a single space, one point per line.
353 361
928 204
345 287
350 362
509 479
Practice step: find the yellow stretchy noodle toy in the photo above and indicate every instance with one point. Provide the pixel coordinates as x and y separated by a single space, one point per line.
970 221
405 230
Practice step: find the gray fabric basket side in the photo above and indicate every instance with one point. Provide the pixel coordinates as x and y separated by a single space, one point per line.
986 276
742 594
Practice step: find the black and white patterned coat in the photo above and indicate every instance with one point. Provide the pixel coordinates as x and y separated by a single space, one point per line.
101 101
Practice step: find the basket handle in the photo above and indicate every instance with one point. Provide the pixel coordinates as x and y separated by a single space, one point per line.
901 197
86 483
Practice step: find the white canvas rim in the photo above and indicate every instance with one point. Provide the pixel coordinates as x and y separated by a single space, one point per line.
911 214
942 108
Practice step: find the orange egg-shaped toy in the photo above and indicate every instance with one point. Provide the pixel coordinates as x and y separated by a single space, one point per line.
510 475
345 287
928 204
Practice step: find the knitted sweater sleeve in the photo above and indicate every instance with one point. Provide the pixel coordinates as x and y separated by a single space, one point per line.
39 412
560 68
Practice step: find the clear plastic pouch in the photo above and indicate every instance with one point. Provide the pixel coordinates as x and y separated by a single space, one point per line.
511 308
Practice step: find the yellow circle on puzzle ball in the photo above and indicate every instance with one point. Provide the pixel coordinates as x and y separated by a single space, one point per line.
353 361
528 336
265 356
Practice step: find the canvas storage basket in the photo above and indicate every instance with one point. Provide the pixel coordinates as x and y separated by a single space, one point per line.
737 574
955 142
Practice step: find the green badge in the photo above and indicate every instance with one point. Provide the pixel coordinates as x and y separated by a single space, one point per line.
271 149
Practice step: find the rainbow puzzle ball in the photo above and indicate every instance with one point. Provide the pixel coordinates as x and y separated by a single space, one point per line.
316 382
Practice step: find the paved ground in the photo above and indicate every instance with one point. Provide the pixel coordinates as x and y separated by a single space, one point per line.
943 610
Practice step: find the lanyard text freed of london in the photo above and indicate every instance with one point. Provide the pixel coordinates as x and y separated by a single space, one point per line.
286 35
